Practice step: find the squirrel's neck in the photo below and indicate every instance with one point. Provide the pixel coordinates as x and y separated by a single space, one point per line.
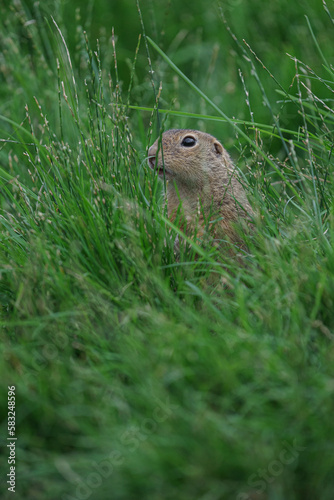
193 200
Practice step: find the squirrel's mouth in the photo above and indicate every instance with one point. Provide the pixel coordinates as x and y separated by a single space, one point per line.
159 169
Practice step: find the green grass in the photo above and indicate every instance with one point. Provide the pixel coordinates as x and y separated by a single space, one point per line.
139 375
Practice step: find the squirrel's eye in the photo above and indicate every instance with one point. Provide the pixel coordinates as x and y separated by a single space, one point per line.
188 142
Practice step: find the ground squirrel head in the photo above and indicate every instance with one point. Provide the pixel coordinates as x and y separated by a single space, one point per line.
188 156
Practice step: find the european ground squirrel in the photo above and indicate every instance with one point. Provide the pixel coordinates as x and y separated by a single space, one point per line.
199 174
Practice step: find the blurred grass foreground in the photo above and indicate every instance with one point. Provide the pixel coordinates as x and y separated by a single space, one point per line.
138 375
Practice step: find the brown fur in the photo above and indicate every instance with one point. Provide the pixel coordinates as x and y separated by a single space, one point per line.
203 178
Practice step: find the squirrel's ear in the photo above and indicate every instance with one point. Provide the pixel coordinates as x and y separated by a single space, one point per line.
218 148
